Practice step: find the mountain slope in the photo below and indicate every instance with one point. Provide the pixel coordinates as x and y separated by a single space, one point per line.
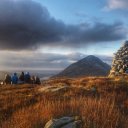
89 66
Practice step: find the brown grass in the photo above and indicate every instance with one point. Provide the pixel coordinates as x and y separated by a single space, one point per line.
24 106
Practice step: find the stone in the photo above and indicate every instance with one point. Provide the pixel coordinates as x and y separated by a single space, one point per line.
75 124
64 122
121 70
120 61
55 88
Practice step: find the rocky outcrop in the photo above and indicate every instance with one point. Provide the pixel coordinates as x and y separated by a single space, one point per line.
89 66
64 122
120 61
54 88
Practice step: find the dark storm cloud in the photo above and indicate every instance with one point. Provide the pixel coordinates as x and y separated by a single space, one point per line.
98 32
26 24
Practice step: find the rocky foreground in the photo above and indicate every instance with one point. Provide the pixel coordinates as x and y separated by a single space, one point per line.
88 102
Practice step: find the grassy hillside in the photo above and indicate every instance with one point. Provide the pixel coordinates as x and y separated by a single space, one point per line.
100 103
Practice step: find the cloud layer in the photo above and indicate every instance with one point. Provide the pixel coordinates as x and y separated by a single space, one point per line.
44 61
35 60
28 25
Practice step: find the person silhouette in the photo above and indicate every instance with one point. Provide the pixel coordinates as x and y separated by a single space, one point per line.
14 78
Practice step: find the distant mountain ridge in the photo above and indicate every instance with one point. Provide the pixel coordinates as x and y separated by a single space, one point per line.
88 66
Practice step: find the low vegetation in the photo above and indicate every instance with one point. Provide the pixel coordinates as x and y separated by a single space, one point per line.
100 103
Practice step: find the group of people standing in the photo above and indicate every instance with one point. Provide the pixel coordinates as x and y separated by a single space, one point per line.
23 78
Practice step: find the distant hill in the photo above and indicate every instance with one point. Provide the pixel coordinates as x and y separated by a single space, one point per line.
89 66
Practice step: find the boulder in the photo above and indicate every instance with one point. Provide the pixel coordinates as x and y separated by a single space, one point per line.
64 122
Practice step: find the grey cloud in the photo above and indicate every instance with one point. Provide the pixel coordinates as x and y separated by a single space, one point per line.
36 60
29 25
49 61
26 24
99 32
106 59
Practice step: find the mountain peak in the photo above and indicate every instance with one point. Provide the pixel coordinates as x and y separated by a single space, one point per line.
91 57
88 66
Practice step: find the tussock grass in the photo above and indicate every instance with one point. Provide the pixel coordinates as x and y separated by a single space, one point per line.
24 106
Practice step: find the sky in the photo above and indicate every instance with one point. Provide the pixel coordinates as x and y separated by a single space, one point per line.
52 34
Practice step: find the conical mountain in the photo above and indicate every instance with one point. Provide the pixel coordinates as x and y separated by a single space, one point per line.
89 66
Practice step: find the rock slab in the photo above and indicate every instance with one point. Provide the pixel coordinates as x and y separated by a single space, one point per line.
64 122
54 88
